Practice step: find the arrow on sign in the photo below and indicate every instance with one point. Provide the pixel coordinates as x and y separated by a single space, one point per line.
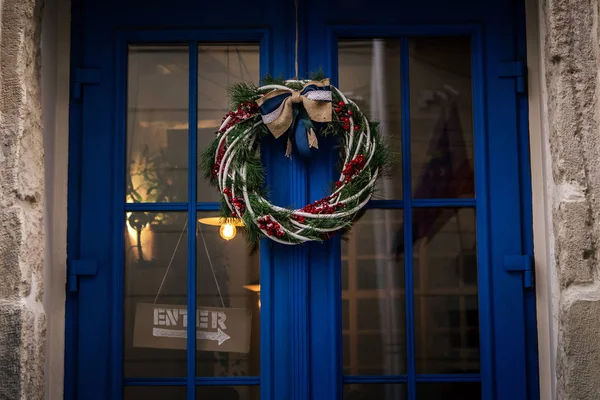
219 336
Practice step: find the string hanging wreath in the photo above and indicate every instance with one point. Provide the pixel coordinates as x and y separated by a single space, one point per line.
302 110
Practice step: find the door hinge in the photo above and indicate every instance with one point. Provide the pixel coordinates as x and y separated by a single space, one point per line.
77 268
514 69
521 263
84 76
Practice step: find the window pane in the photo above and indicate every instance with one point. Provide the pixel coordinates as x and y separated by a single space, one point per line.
372 391
155 294
449 391
219 66
228 289
369 74
157 124
441 115
155 393
446 305
373 320
228 392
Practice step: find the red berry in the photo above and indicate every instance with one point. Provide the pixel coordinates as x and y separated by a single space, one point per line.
341 103
349 112
337 109
356 127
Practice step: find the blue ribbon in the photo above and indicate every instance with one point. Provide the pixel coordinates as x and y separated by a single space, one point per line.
310 100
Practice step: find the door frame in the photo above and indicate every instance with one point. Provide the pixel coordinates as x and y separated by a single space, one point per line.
74 194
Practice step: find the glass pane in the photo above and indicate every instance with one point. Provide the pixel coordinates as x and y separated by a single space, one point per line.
219 66
449 391
155 294
369 74
373 320
446 305
375 391
228 290
228 392
441 115
155 393
157 124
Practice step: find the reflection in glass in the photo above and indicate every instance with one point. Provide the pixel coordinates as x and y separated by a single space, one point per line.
441 115
375 391
155 393
155 274
449 391
369 74
219 66
228 392
228 279
373 302
445 279
157 124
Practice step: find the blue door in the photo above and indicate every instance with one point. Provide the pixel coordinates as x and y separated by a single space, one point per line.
427 297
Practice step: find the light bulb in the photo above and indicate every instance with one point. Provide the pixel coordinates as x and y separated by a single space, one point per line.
227 231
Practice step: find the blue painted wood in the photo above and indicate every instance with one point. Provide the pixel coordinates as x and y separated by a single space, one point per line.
374 379
267 274
408 227
118 278
300 383
482 217
420 378
325 286
74 210
449 378
200 381
300 316
484 179
510 374
298 295
527 216
156 207
192 182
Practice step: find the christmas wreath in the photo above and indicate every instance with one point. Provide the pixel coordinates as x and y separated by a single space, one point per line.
302 110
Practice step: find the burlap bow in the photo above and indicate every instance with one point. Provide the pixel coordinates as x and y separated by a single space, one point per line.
279 114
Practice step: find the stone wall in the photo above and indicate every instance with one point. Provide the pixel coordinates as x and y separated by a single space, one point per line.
22 319
571 60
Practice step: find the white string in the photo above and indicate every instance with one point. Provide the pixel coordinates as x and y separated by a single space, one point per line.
170 263
211 267
164 278
296 64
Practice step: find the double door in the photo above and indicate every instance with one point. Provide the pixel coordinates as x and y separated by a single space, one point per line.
422 299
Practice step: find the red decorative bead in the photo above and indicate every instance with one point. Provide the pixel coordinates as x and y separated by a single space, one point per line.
353 167
244 111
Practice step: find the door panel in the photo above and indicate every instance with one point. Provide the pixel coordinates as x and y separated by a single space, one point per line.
414 304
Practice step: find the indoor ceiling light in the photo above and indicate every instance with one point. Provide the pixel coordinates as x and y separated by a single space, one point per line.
227 226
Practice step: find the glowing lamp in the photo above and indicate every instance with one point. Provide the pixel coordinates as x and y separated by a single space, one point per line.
227 226
227 231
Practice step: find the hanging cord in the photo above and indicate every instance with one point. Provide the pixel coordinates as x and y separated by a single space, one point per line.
296 61
170 263
173 257
211 267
